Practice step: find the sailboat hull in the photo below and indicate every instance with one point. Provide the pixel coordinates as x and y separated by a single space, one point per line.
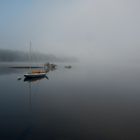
34 75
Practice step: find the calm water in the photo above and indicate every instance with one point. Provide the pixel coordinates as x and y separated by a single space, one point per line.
99 102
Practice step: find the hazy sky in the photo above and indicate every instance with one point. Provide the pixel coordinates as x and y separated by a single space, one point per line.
86 28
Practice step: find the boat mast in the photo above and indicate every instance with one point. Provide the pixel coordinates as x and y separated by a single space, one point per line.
30 55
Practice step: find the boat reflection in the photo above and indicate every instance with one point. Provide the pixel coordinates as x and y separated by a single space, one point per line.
30 84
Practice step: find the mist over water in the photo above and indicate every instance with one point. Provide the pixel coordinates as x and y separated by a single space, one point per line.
98 98
98 101
7 55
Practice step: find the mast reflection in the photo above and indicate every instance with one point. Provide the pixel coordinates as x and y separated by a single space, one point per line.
30 81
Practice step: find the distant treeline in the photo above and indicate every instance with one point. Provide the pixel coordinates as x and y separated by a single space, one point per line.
18 56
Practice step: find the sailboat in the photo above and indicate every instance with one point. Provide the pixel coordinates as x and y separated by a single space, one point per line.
34 73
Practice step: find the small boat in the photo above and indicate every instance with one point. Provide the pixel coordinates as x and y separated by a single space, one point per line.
68 67
34 76
34 73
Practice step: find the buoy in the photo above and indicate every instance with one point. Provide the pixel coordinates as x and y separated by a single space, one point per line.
19 78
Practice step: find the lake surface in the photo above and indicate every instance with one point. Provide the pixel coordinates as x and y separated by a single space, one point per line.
98 102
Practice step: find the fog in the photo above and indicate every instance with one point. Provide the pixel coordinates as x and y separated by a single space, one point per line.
96 98
22 56
91 30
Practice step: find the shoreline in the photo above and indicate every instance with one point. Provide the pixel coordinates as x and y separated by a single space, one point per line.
25 67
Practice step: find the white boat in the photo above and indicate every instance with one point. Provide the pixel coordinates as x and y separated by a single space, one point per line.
34 73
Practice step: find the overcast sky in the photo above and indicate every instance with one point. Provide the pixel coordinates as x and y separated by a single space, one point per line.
83 28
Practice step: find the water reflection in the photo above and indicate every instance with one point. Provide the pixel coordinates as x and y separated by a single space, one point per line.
7 71
80 104
27 133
